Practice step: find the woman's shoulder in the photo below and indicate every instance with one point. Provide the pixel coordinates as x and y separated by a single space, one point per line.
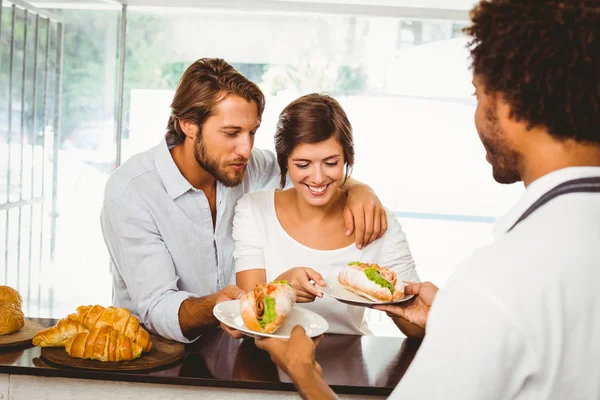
254 210
255 205
394 228
391 216
260 198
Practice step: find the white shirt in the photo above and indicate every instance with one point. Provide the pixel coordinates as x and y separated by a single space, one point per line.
520 319
261 242
159 232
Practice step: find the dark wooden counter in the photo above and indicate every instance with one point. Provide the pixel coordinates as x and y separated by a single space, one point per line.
366 365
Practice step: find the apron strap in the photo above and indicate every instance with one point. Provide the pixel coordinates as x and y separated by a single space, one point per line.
582 185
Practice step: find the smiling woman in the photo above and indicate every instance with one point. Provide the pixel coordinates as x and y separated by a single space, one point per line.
298 234
314 144
317 168
312 119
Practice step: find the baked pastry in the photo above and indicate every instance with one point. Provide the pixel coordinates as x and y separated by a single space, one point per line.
120 319
10 295
11 318
371 281
266 307
103 344
58 335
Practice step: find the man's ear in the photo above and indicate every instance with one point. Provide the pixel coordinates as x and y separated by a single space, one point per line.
189 128
503 109
510 126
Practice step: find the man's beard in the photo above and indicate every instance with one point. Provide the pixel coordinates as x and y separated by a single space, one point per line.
506 162
211 165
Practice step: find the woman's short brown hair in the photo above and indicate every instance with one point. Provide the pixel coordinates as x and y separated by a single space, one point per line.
312 118
201 87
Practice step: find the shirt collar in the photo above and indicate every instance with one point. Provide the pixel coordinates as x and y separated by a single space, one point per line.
174 182
537 189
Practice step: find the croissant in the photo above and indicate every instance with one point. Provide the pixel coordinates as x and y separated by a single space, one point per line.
119 319
103 344
57 336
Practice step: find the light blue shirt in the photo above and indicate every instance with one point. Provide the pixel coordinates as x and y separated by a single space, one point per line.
159 232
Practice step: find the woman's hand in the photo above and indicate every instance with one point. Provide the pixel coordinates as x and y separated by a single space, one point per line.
299 278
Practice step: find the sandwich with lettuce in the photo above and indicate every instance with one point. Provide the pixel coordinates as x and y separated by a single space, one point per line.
266 307
371 281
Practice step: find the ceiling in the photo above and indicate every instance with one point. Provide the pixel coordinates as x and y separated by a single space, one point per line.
417 9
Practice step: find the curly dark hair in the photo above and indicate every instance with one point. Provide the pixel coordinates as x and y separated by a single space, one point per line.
543 57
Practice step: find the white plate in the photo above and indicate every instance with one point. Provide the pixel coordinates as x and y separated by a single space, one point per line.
228 313
335 289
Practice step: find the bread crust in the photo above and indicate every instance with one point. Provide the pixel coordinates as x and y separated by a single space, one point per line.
11 318
10 295
59 334
103 344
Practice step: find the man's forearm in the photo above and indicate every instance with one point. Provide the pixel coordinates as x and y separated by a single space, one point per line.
196 314
312 386
409 329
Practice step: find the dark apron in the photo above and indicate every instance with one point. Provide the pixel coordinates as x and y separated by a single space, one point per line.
582 185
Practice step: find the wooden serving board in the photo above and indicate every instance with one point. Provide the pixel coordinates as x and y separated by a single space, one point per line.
164 352
22 336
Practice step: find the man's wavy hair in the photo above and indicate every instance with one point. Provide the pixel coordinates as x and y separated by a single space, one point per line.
202 86
543 57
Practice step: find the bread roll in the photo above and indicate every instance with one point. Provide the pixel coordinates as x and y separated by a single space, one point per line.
354 278
10 295
257 307
11 318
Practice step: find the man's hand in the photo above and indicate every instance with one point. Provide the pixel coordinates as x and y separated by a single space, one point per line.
417 310
364 215
296 357
230 292
234 333
196 313
299 278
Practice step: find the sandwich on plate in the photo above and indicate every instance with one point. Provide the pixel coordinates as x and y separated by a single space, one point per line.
371 281
266 307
